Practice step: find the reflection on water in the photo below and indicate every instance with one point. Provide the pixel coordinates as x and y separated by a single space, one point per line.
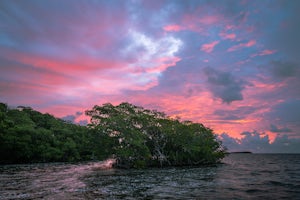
46 181
242 176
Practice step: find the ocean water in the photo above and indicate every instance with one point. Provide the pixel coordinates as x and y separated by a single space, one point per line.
241 176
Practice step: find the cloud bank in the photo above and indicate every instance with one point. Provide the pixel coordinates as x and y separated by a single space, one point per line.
260 143
231 65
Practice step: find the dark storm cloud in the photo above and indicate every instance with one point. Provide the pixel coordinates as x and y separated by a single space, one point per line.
286 144
230 143
287 38
282 69
238 113
275 129
224 85
185 78
226 115
255 140
288 111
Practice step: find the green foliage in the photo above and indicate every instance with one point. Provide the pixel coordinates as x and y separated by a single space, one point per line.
136 137
142 138
30 136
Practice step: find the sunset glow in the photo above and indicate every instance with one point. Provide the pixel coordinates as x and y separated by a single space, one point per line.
231 65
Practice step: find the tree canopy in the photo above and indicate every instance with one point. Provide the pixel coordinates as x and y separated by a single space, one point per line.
135 136
27 136
142 138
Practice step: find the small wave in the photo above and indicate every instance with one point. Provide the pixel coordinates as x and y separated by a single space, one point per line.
243 177
253 190
107 164
48 181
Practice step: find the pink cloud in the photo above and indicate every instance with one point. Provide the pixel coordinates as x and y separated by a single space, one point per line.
77 63
229 36
173 28
264 53
74 77
229 27
188 109
197 22
163 63
209 20
267 52
250 43
205 19
69 66
208 48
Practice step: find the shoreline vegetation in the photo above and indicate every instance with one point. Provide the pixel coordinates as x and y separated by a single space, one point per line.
131 136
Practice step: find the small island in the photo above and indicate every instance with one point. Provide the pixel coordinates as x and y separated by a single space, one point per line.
132 136
241 152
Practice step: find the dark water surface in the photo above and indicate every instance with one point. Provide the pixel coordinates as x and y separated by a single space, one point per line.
242 176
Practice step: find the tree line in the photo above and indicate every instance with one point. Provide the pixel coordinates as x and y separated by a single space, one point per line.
134 136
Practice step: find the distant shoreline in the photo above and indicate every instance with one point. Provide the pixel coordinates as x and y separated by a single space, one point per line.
235 152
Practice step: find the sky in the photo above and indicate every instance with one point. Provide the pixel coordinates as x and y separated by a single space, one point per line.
231 65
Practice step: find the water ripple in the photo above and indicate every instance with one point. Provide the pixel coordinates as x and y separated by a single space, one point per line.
253 176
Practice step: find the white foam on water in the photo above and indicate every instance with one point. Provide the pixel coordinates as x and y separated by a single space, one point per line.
49 181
